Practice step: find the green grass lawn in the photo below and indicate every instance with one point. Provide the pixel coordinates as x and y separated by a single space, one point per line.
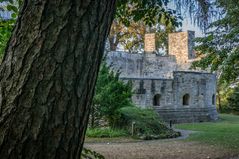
105 132
223 133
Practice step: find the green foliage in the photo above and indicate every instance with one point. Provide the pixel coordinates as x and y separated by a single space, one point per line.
134 18
147 124
105 132
6 25
223 92
111 94
5 33
223 133
131 37
219 49
150 12
233 100
229 98
89 154
201 12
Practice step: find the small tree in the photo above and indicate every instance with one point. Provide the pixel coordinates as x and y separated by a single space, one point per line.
111 94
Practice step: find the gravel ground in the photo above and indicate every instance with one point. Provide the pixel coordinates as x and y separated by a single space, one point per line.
161 149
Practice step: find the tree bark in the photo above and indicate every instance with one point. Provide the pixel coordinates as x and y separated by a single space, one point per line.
92 116
47 77
113 43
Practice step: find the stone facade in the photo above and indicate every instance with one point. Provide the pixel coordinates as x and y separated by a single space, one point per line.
165 83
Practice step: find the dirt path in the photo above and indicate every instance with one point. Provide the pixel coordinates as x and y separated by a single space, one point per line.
161 149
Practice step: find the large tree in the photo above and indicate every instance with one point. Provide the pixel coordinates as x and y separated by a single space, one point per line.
220 52
48 74
219 48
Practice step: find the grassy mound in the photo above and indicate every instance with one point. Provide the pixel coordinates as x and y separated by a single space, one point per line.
146 123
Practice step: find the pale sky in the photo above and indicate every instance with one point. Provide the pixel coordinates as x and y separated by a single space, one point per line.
187 24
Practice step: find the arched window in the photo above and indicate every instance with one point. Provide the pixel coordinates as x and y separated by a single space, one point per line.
213 99
186 99
156 100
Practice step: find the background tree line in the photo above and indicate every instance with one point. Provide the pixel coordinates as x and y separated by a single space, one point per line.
219 52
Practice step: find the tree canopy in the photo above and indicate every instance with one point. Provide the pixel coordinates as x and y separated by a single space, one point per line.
133 19
219 48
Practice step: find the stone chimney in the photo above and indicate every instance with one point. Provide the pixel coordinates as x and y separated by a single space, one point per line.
181 45
149 43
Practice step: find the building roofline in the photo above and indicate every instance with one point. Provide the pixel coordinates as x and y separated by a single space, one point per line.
194 72
145 78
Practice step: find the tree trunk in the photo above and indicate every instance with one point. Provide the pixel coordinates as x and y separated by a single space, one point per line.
48 75
92 115
113 43
219 100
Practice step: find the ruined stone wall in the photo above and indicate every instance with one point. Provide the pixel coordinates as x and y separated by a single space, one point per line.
151 65
146 88
130 65
201 88
142 65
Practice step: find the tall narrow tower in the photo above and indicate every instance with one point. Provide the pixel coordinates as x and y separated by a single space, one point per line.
181 45
149 43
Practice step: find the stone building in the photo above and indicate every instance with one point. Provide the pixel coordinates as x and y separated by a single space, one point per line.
166 84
